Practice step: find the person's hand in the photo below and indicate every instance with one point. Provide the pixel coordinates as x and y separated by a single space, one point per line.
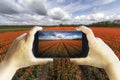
20 52
99 55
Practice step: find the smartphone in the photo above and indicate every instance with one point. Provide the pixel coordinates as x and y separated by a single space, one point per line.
60 44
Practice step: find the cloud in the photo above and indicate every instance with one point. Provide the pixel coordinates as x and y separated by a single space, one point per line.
21 6
10 7
38 6
113 17
60 1
82 5
76 6
101 2
58 36
107 1
59 14
62 12
22 18
93 16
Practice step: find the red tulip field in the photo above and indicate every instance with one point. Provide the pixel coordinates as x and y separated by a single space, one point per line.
62 69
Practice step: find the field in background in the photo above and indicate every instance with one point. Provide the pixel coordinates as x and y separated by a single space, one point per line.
110 35
13 28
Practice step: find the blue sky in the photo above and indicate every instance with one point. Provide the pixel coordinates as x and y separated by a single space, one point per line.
56 35
49 12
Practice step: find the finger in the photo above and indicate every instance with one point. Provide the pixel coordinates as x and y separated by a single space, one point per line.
89 34
12 46
80 61
31 33
18 39
21 37
42 61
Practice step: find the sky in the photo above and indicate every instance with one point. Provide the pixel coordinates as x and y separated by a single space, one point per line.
53 12
57 35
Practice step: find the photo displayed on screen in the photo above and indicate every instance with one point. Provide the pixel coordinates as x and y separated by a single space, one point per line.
59 44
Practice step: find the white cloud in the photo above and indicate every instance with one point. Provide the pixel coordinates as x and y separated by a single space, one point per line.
56 11
96 16
73 37
34 17
93 16
22 18
82 17
107 1
113 16
59 14
60 36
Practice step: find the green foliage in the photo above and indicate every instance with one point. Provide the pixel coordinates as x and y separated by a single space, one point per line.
63 69
29 73
13 28
104 24
92 73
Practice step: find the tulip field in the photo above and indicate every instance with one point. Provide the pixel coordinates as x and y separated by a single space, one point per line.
62 69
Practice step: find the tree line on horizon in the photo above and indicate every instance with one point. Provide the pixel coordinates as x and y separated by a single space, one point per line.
115 23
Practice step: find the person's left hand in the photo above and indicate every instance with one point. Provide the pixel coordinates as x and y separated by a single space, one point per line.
20 52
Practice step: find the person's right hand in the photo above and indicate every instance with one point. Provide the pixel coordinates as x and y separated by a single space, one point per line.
99 55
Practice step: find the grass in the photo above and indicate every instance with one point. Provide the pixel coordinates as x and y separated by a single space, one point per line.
13 28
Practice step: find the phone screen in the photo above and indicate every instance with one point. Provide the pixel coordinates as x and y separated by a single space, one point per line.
60 44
